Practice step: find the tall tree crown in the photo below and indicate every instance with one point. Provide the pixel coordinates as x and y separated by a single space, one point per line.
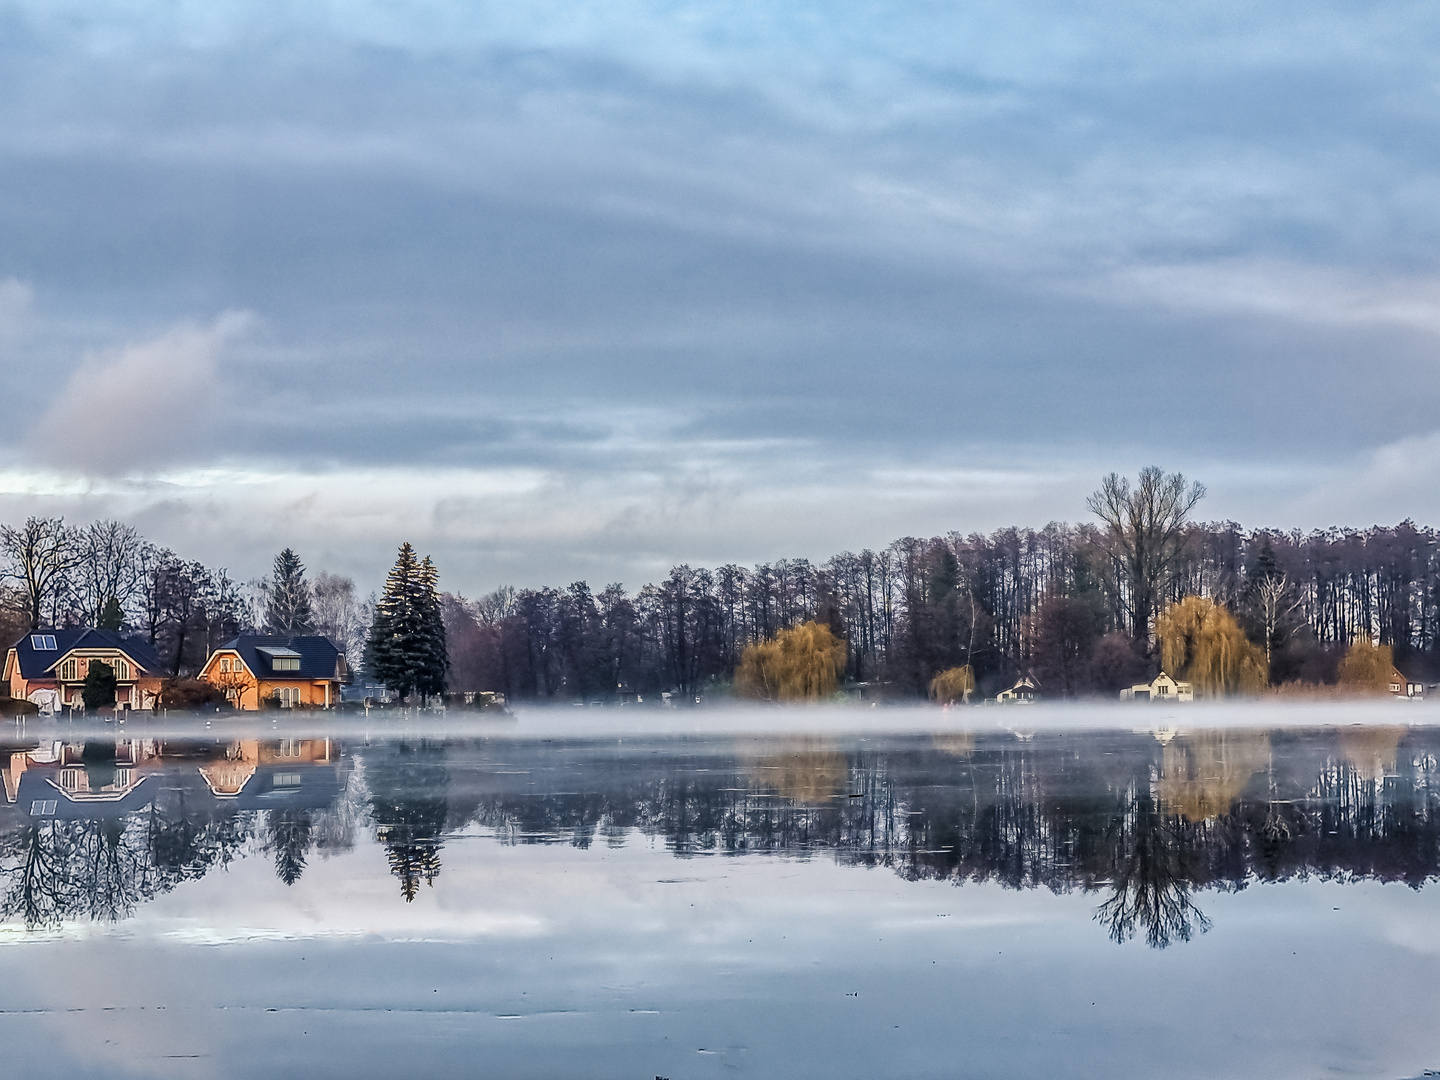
288 607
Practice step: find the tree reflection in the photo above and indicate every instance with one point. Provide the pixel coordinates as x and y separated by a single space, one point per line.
93 831
407 803
1151 891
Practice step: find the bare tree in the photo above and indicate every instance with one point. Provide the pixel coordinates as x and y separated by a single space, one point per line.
108 566
1274 602
40 554
338 615
1144 535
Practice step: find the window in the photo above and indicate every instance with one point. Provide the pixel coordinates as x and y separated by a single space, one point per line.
68 670
286 780
289 696
285 663
122 669
44 807
1164 689
43 642
225 664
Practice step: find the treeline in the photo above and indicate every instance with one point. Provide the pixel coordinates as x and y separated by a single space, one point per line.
106 574
1059 603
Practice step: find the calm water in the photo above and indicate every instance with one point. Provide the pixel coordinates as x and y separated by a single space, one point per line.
1236 902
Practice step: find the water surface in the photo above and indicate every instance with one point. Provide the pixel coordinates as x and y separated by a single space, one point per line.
533 901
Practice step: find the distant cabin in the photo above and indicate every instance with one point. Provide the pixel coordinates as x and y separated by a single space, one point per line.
255 670
48 667
1402 687
1162 689
1024 692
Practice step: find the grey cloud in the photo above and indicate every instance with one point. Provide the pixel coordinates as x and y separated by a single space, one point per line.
598 241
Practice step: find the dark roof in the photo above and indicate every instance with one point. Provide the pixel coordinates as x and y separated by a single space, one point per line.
36 663
318 655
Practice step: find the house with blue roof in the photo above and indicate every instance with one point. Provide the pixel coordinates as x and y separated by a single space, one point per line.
259 670
49 667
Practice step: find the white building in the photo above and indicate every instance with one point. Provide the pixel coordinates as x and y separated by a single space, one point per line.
1163 689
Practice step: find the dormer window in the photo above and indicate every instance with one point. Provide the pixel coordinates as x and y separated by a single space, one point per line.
281 659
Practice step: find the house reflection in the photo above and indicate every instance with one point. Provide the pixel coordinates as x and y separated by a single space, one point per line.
91 827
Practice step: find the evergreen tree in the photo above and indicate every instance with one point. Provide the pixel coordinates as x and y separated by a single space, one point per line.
287 610
406 646
112 616
99 689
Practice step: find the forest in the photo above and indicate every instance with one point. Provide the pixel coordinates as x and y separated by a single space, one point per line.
1073 607
1053 603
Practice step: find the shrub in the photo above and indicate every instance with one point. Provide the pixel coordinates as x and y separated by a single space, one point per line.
1366 668
190 694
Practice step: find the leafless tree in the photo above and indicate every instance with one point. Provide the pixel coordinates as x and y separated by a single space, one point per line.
1144 534
39 555
107 565
338 615
1274 602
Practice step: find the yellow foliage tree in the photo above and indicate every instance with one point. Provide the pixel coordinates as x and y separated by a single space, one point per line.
1202 644
1366 668
802 663
952 685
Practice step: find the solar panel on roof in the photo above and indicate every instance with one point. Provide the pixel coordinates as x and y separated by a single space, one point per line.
44 642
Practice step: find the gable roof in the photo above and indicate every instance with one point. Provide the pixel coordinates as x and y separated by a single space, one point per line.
37 663
319 658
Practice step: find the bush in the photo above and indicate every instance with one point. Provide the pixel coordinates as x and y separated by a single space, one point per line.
1366 668
18 706
190 694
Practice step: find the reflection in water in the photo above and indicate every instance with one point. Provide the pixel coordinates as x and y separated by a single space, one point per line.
93 828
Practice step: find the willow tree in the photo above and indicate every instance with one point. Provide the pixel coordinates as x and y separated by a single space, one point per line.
1202 644
1144 536
953 685
802 663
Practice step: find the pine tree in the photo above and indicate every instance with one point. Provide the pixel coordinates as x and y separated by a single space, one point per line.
288 608
406 646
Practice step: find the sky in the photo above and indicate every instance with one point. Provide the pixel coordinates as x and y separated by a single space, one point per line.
583 290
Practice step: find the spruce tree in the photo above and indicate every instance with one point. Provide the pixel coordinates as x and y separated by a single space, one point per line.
287 610
437 655
405 648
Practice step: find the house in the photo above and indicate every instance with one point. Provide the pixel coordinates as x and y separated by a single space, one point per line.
49 667
1024 692
1402 687
1162 688
258 670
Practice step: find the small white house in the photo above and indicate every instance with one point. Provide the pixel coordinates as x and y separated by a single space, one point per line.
1022 693
1162 689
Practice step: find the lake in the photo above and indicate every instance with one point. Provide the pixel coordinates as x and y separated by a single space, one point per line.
893 895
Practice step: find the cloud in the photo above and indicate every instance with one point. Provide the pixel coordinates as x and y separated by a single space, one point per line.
142 405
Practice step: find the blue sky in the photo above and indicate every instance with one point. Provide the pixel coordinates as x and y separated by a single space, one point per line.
564 290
